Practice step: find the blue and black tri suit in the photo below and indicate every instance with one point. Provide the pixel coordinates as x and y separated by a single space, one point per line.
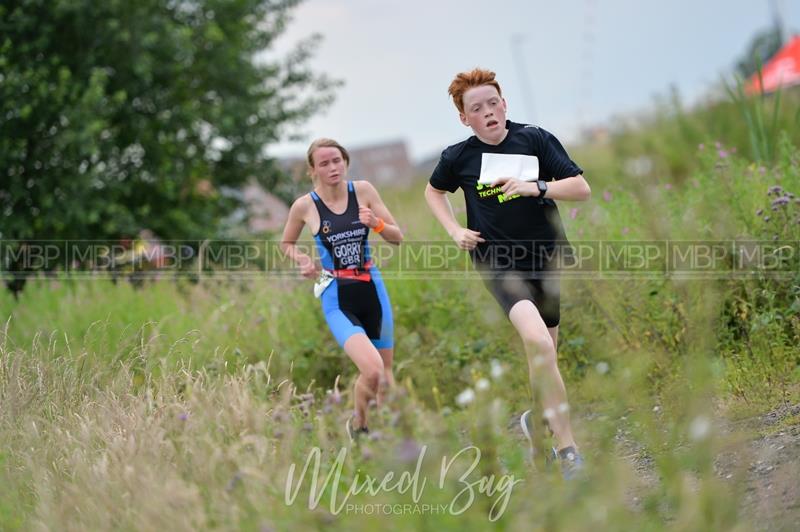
356 300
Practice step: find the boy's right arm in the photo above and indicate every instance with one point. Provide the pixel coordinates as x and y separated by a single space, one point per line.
440 205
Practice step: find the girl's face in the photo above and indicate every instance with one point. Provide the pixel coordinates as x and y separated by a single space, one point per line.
329 166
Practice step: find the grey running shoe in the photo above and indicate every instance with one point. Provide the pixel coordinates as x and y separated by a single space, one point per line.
571 462
352 433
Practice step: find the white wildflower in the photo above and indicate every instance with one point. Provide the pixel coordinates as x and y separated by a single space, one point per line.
497 369
465 397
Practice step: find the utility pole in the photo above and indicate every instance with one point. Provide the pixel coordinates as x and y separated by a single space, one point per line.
517 40
586 87
777 9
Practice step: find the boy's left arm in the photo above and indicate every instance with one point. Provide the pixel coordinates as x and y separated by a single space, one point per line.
566 178
573 188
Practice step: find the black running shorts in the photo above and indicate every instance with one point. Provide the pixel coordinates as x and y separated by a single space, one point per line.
542 288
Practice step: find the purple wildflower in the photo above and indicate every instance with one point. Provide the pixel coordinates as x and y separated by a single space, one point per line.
408 450
701 146
366 453
775 189
759 212
234 481
625 230
333 397
766 218
722 154
183 416
573 213
606 195
307 397
668 186
783 200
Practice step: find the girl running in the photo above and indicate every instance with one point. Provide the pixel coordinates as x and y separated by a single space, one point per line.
340 213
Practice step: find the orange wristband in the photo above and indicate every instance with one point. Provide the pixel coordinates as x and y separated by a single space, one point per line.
380 227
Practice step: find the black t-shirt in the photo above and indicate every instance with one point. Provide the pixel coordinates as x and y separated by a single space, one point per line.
520 232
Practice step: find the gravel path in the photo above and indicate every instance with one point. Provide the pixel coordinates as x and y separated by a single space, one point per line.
763 455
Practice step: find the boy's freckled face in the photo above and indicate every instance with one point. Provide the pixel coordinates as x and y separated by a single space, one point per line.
485 113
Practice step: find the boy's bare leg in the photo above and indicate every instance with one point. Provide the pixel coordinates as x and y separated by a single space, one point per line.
545 378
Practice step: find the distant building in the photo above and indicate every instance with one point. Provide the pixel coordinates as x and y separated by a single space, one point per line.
295 167
386 163
595 134
424 167
266 212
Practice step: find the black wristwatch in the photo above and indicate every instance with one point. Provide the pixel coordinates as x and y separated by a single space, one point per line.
542 189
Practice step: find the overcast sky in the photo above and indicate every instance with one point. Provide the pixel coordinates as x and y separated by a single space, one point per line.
562 65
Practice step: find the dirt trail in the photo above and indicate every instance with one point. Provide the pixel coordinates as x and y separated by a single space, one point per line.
769 461
772 496
765 451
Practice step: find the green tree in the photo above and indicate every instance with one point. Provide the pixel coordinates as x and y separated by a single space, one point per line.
121 115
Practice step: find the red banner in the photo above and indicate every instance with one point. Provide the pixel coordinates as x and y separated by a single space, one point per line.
783 70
